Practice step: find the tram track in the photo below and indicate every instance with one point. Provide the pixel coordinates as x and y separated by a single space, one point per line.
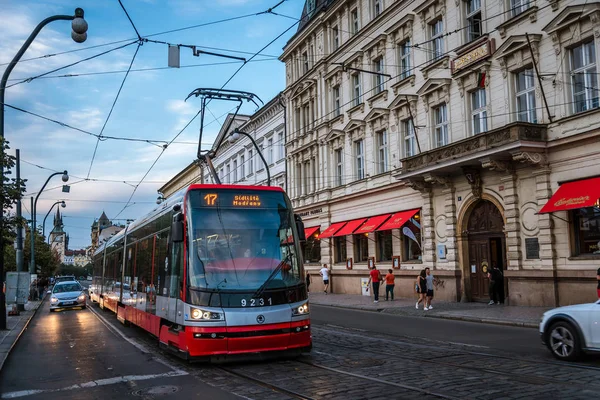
520 377
462 351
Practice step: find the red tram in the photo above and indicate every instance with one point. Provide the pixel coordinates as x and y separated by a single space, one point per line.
214 271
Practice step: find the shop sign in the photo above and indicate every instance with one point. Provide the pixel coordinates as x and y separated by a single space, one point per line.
532 249
477 54
311 212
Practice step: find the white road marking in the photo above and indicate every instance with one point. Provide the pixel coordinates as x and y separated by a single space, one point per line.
91 384
137 345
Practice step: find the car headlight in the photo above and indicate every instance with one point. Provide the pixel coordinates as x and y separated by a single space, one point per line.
303 309
203 315
81 297
53 300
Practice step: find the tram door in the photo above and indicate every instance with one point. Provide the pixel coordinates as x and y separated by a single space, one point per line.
175 284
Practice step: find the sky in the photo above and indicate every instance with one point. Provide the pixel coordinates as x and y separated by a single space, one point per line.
150 106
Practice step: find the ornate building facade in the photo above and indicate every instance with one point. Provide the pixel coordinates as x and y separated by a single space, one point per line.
102 229
59 239
432 134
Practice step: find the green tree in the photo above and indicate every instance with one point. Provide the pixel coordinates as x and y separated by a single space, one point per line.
47 259
10 195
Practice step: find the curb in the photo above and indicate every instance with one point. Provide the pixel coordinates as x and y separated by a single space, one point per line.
490 321
3 361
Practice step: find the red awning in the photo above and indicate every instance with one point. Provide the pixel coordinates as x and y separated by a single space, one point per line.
572 195
350 227
397 220
332 229
372 224
308 232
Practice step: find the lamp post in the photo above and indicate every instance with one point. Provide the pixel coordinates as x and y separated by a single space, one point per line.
235 135
79 34
65 178
62 204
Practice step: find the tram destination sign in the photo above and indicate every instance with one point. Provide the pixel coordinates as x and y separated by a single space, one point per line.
236 199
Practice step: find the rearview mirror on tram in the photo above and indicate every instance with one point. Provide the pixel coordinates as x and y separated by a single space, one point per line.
177 228
300 228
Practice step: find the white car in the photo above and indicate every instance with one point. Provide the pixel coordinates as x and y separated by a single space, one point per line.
572 330
67 295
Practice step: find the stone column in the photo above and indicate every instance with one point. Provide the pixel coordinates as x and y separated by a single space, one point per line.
513 225
427 227
543 193
450 214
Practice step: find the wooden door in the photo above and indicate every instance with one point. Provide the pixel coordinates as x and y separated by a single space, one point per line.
479 263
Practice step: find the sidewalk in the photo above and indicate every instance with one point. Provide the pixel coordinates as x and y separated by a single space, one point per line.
15 325
528 317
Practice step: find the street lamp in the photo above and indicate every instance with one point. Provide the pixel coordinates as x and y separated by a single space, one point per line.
79 34
235 135
62 204
65 178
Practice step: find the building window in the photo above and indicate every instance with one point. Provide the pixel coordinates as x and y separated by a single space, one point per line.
377 7
411 239
228 176
335 34
409 138
473 19
339 167
306 178
259 160
518 6
250 162
586 224
356 90
382 155
281 146
270 151
584 77
235 171
436 30
354 21
306 116
299 185
440 120
312 249
384 245
525 93
359 155
378 76
242 167
336 101
340 249
305 62
361 248
404 57
478 111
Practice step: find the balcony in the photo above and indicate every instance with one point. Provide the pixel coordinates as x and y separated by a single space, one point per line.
518 141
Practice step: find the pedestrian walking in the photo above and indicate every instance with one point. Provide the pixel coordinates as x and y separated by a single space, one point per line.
307 282
498 282
495 276
324 272
375 277
389 284
421 288
429 284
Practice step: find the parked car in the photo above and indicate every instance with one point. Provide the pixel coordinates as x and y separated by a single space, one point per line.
570 331
67 294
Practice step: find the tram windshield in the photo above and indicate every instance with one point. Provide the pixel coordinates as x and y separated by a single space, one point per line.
241 240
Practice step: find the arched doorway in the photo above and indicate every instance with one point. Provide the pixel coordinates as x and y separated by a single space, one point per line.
486 246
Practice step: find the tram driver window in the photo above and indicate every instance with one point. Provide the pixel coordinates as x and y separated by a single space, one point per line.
586 230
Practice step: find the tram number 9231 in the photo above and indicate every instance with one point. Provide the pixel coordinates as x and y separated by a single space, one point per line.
257 302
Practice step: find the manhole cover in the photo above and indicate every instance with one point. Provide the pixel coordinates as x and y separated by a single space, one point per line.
156 390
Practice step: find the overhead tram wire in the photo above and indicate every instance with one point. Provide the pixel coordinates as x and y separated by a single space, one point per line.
111 109
198 113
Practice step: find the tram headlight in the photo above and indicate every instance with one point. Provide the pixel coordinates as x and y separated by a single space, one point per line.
203 315
302 310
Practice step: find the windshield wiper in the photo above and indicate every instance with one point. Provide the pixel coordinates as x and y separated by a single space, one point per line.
262 287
